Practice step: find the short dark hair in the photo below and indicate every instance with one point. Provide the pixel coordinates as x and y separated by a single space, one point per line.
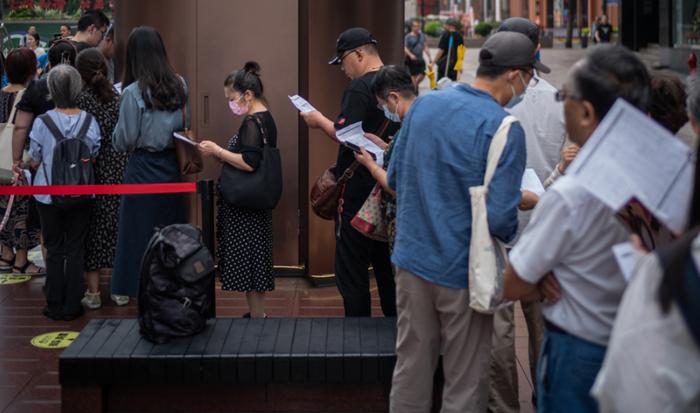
610 72
62 52
370 48
668 98
245 79
20 65
96 17
393 79
493 72
35 36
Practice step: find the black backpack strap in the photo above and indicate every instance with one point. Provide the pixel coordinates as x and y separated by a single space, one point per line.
51 125
85 126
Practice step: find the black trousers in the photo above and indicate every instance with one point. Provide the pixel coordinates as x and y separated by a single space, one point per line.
353 255
64 231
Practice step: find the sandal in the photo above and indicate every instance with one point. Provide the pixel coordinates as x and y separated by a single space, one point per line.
23 269
7 265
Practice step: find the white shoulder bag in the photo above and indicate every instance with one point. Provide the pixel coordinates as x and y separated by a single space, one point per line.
6 130
487 255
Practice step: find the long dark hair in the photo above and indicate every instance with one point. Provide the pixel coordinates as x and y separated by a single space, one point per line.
147 63
93 69
672 287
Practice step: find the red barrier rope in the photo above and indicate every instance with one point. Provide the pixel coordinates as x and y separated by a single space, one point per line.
123 189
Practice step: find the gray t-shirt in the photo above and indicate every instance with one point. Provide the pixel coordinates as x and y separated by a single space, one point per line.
572 234
415 44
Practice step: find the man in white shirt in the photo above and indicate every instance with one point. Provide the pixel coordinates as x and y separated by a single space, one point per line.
565 252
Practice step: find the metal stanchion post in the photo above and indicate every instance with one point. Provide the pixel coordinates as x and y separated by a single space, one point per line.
205 189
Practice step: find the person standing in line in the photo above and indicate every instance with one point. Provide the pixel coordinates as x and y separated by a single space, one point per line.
65 31
453 128
64 229
565 253
245 235
92 27
358 57
18 236
99 98
33 40
604 30
446 56
542 118
151 109
415 44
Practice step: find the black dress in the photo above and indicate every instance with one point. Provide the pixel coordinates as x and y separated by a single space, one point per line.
245 235
109 169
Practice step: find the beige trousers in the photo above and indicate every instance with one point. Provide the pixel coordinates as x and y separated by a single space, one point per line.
434 320
503 394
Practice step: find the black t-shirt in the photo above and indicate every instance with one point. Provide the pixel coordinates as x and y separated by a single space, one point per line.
80 46
444 45
359 104
250 140
36 99
604 32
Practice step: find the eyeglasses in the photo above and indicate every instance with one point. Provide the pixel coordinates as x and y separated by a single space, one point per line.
346 55
562 95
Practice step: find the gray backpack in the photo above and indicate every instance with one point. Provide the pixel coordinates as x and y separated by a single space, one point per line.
72 162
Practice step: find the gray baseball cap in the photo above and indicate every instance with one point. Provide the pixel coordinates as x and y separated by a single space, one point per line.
510 49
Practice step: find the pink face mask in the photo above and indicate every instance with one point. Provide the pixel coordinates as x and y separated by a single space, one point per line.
236 108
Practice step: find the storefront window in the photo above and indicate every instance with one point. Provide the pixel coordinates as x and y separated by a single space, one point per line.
687 22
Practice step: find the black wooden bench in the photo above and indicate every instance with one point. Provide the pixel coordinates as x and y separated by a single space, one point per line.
235 365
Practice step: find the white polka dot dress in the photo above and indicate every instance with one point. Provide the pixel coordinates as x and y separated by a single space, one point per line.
244 246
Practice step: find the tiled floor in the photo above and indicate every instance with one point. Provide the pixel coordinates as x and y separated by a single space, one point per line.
28 375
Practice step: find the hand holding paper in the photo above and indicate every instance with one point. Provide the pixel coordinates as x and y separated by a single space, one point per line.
302 104
184 138
354 137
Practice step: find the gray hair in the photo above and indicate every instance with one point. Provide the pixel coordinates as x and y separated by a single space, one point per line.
693 99
65 84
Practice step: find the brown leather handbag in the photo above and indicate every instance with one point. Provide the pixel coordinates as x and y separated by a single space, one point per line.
327 191
189 159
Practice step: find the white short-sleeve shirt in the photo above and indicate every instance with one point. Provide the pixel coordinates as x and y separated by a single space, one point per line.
572 234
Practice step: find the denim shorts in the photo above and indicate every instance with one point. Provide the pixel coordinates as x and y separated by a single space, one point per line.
566 372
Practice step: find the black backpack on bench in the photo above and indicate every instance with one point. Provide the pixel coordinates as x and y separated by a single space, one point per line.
177 276
72 162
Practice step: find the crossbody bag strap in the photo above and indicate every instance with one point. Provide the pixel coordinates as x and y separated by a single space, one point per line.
498 144
263 131
18 97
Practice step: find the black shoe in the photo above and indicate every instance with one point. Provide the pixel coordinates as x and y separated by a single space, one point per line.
246 315
71 317
51 314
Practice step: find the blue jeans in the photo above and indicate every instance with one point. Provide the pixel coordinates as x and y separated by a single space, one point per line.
566 371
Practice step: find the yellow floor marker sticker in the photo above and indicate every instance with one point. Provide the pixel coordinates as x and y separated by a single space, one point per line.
9 279
54 340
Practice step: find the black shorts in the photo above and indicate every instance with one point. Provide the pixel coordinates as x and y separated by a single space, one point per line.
415 67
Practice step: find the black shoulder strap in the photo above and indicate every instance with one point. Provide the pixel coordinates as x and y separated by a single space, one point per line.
52 127
261 127
85 126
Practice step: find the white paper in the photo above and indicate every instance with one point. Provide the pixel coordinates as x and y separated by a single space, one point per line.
631 156
118 86
626 256
184 139
354 137
531 182
302 104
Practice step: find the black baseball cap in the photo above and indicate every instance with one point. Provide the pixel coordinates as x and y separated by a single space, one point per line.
509 49
526 27
351 39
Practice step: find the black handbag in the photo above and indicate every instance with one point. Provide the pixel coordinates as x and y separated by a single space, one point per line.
260 189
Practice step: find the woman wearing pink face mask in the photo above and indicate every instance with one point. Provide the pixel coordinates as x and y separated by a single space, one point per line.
245 235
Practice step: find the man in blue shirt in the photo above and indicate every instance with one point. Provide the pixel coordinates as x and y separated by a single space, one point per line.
442 153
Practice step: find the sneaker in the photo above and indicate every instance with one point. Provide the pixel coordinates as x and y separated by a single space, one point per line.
92 300
120 300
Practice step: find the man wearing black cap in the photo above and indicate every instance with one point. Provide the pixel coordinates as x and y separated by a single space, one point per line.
441 152
358 58
446 56
542 118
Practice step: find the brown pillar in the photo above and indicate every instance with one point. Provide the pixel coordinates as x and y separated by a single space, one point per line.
321 21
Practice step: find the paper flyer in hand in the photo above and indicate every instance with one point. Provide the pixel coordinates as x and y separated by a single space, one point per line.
631 156
531 182
353 137
302 104
184 139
